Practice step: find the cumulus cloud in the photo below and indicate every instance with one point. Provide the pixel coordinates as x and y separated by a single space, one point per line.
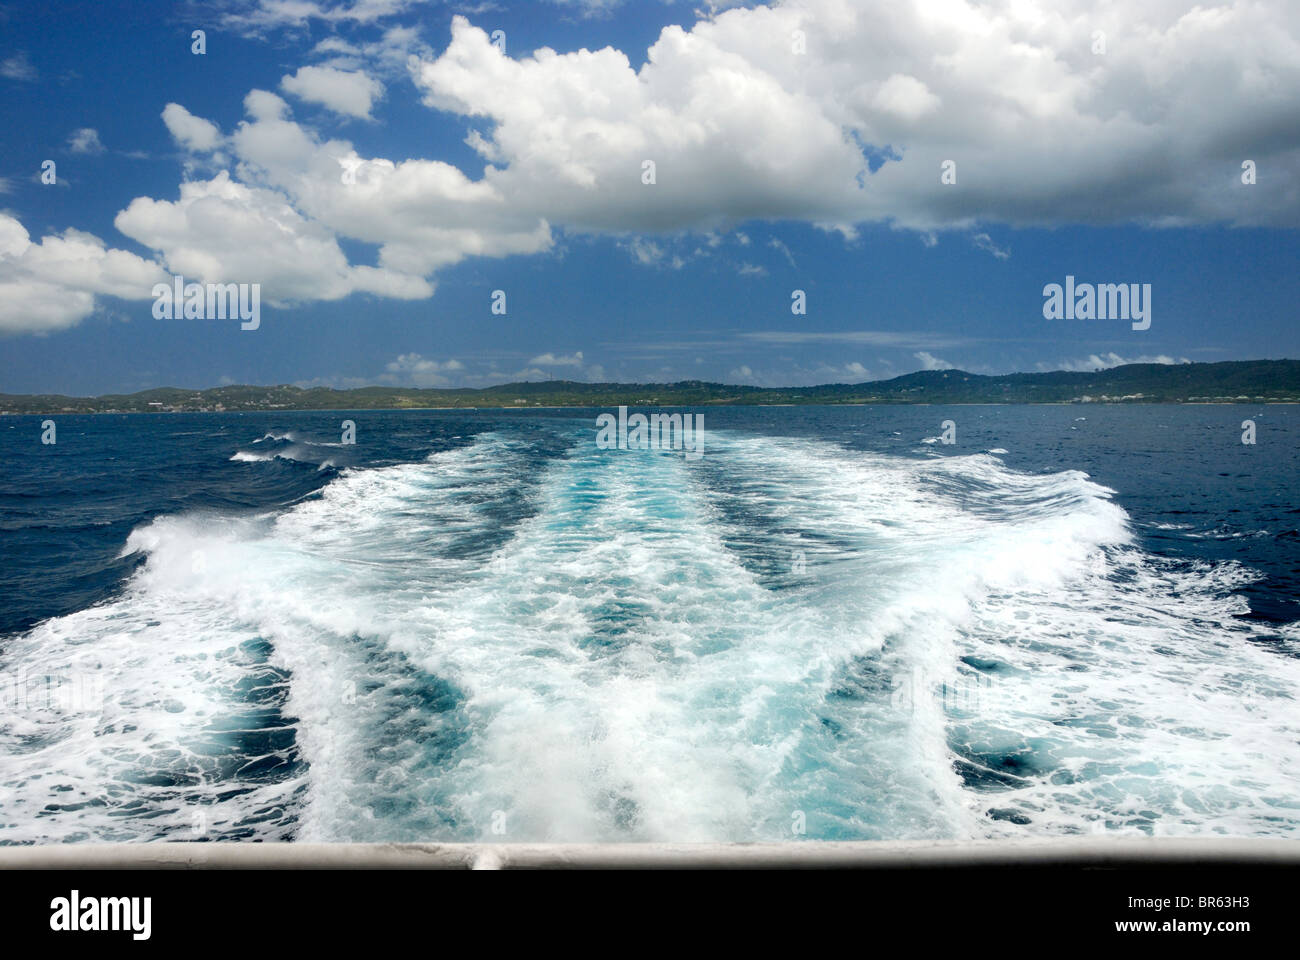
904 97
930 362
191 132
551 360
349 92
569 133
1041 129
220 231
1105 361
741 127
422 214
797 375
52 285
414 370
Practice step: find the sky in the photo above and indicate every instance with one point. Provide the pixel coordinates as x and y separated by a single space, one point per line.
920 169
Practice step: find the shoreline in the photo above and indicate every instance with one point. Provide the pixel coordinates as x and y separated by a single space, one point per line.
1251 382
659 406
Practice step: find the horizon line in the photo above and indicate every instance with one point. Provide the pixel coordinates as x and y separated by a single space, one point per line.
655 383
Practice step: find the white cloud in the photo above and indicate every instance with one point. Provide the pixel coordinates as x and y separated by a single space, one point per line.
422 214
220 231
645 252
388 56
985 242
14 239
776 244
571 132
800 375
1041 129
741 129
191 132
412 369
905 97
879 338
351 93
1107 360
648 253
591 8
18 67
266 14
416 370
551 360
52 285
425 214
85 140
930 362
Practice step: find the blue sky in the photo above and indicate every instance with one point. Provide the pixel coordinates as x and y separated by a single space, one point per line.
487 169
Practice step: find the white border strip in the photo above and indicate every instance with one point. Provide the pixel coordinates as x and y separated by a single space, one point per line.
1081 852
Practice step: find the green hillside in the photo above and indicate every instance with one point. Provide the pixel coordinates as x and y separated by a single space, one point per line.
1232 381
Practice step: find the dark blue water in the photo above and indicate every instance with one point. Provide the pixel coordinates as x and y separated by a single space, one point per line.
472 614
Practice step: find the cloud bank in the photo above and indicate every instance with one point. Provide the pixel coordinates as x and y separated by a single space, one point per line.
827 112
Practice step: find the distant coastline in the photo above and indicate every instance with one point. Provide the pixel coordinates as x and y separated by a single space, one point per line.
1235 381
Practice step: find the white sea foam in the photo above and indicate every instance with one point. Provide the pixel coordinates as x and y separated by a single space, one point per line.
625 645
299 453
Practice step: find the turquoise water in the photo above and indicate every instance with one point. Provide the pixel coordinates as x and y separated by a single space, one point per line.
481 626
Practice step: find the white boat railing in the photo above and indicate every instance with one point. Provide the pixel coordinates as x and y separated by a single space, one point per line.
1072 852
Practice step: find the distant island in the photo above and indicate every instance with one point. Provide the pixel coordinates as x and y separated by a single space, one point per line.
1238 381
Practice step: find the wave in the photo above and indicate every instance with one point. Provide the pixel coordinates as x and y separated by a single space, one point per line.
290 436
298 453
622 645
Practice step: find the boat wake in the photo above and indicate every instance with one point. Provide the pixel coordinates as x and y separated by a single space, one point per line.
509 642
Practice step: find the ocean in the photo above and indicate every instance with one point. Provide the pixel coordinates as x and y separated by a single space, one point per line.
479 625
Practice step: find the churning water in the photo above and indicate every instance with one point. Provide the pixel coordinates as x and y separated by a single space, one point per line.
478 626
